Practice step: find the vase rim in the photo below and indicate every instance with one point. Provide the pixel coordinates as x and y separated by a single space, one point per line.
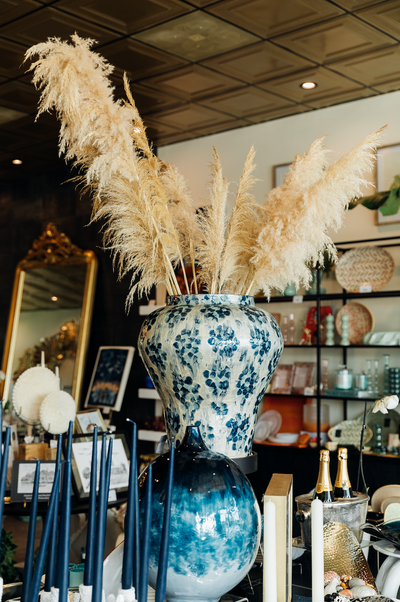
217 298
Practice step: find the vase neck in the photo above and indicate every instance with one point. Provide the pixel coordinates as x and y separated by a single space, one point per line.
209 299
192 441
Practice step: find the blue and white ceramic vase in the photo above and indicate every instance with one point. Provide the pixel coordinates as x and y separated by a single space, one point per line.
215 522
211 358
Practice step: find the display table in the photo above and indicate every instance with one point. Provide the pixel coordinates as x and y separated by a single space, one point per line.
24 508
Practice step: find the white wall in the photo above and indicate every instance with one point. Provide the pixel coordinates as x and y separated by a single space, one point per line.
278 142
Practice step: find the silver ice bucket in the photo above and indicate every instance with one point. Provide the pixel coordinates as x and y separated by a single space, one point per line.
350 512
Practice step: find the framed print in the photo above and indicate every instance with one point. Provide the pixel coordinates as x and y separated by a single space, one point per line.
82 458
279 173
303 378
282 379
23 475
109 378
387 167
86 421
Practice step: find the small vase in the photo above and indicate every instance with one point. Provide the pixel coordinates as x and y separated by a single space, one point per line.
313 290
211 358
290 290
215 522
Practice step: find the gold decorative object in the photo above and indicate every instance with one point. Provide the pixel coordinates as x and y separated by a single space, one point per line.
342 553
54 279
52 247
365 266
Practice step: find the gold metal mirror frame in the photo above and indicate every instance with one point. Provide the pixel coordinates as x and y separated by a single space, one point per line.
52 248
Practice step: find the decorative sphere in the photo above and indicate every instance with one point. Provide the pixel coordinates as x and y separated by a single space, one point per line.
215 522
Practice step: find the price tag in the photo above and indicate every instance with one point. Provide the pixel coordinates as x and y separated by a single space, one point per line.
298 299
365 288
112 495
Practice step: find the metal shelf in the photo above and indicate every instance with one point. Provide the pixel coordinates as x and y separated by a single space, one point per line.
330 297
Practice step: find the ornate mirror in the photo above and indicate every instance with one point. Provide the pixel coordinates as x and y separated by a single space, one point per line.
51 310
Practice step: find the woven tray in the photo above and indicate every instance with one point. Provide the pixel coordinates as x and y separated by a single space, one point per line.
365 266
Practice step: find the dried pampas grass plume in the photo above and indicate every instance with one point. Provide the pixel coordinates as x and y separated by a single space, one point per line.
150 224
213 223
295 232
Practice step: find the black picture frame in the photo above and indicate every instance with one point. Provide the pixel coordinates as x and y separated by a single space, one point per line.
23 473
81 464
109 378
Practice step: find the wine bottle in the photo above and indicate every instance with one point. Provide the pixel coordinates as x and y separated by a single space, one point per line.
323 489
342 482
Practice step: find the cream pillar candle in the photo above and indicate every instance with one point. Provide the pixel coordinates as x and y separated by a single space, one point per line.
317 550
270 583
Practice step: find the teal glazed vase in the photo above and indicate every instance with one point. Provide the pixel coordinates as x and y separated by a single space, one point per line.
215 525
211 358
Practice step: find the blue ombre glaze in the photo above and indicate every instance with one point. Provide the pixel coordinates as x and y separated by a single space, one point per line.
211 358
215 522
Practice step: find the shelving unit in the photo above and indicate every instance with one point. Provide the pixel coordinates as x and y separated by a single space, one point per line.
344 297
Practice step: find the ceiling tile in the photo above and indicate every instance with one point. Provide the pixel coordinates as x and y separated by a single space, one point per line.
190 117
202 3
49 22
13 9
126 17
356 4
335 39
277 113
9 141
329 101
245 102
223 127
12 56
196 36
272 17
328 84
171 139
156 129
46 127
258 62
147 100
139 60
373 68
192 82
8 115
384 16
19 96
389 86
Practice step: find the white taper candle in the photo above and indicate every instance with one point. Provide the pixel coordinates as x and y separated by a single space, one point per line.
270 581
317 550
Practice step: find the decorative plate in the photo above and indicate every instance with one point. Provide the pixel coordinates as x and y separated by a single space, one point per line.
274 419
382 494
348 432
364 266
360 321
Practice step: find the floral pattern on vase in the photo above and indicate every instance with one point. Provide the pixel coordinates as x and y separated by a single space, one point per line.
211 358
215 522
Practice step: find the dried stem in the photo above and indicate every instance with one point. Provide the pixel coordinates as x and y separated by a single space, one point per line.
193 267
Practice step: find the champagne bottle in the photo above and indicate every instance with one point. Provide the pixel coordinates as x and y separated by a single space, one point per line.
342 482
323 489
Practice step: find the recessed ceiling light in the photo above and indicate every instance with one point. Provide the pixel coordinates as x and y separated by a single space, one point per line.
54 298
308 85
17 161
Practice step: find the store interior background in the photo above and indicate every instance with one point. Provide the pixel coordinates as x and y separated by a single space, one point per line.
42 192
